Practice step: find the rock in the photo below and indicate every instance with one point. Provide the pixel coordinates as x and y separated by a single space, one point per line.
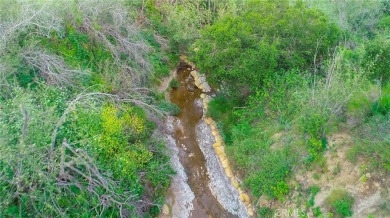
215 133
225 163
228 172
197 84
235 183
244 197
165 209
220 150
217 144
222 157
194 74
218 138
250 211
208 120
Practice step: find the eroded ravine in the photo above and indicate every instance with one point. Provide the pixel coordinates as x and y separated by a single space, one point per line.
191 156
204 185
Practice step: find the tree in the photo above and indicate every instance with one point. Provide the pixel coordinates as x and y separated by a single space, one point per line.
244 50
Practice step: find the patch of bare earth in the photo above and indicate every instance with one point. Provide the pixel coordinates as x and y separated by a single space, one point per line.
370 189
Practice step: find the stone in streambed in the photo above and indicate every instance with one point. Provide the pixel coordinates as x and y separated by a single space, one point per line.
244 197
225 163
222 158
250 211
217 144
219 150
194 74
235 183
228 172
165 209
218 139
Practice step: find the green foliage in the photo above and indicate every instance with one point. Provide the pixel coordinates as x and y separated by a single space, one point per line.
372 140
285 105
383 104
377 59
313 192
78 49
112 165
240 52
314 125
266 212
169 108
356 18
317 212
268 170
182 21
221 108
340 202
158 58
174 84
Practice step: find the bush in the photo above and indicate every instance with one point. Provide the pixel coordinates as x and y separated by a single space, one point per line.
382 105
340 203
170 108
313 192
174 84
371 139
317 212
268 34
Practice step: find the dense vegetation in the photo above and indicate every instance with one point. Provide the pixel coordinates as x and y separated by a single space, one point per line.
78 110
288 77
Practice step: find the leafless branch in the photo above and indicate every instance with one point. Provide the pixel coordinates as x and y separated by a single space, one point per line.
52 67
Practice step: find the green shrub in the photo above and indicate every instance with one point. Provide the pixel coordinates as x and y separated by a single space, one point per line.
377 59
268 173
313 192
340 203
382 105
317 212
170 108
266 212
315 125
232 49
371 139
174 84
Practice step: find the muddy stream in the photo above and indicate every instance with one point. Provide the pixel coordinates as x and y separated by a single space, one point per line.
200 188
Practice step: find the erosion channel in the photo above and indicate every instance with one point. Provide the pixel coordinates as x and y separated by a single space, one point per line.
200 188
